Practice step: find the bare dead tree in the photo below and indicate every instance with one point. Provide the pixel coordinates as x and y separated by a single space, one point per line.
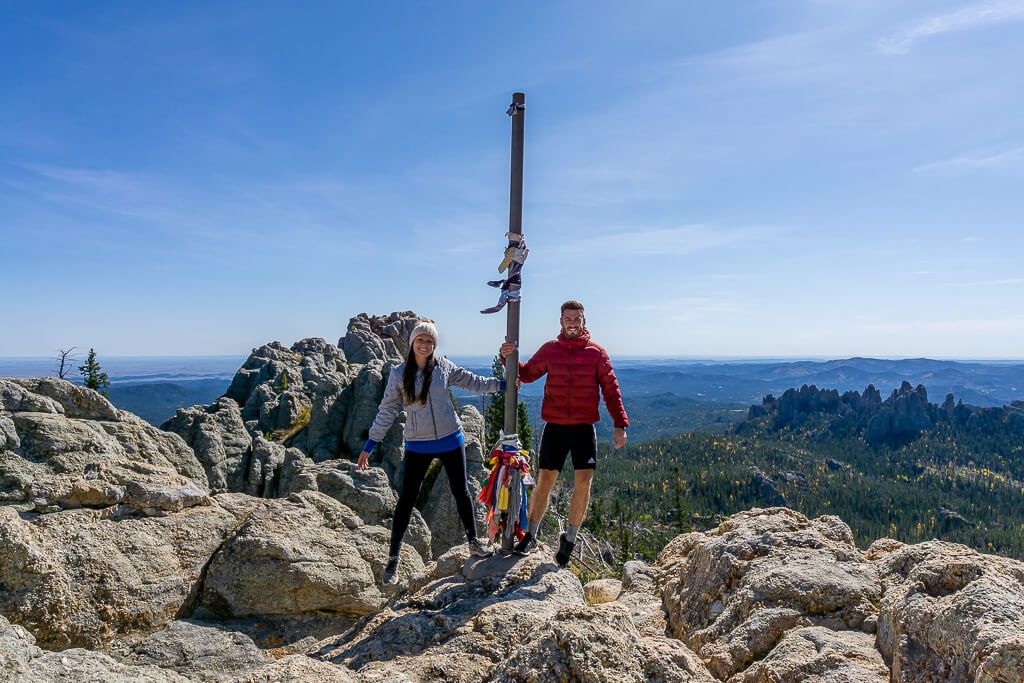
66 358
589 551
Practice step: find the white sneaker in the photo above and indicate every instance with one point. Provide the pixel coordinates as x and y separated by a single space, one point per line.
390 577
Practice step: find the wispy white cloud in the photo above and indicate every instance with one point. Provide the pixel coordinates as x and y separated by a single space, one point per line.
975 162
688 309
153 211
994 283
678 241
978 15
964 327
976 283
126 195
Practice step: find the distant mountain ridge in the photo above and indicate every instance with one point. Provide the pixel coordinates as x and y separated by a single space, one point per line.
982 384
160 385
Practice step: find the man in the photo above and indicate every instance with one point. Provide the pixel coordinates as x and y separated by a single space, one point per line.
578 371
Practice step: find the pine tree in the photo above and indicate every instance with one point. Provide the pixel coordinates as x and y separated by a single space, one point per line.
595 520
93 374
525 433
494 412
682 512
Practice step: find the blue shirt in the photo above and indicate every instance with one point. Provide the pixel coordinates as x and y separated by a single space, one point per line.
444 444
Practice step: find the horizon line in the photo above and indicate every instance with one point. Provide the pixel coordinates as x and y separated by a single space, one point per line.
624 357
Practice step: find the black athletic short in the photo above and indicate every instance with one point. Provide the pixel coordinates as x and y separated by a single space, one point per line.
557 441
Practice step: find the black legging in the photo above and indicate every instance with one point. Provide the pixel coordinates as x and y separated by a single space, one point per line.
416 466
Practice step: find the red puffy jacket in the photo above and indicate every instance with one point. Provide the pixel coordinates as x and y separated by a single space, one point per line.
575 369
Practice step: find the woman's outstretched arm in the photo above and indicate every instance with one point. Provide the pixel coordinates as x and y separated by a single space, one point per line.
464 379
387 411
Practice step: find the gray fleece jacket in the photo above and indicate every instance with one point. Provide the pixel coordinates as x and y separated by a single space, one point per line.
436 418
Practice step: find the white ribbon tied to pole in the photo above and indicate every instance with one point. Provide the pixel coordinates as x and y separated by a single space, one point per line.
514 258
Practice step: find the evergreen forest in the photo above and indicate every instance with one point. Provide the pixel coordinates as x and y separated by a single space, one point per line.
956 480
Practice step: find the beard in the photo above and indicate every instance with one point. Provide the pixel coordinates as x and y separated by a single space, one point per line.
572 333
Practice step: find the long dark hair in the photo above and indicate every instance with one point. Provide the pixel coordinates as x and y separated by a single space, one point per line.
409 378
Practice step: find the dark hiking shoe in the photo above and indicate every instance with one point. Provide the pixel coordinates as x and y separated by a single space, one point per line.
564 551
477 548
525 546
390 577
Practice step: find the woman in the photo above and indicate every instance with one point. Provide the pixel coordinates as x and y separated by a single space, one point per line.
432 430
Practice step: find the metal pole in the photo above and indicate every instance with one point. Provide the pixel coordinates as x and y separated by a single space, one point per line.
515 226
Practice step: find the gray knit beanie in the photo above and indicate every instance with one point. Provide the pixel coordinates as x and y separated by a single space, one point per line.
424 327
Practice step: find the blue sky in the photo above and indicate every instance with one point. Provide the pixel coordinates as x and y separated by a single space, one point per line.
711 179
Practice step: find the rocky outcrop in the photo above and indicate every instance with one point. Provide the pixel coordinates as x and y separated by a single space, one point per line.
585 643
71 400
52 427
772 596
293 418
794 403
85 577
902 417
816 653
15 398
767 596
369 494
319 396
115 542
8 434
299 668
367 392
78 578
950 613
378 337
197 651
640 594
218 436
118 490
733 593
86 665
767 492
21 660
312 396
459 622
272 467
305 556
17 650
898 420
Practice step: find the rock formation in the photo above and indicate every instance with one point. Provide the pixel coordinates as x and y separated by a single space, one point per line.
293 416
314 397
899 419
79 577
316 553
950 613
733 593
52 427
496 619
243 545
